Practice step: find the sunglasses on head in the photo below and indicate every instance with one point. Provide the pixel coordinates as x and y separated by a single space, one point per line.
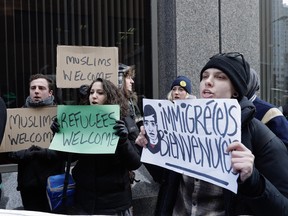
233 55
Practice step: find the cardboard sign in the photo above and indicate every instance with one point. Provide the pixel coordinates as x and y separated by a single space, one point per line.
191 137
26 127
79 65
86 129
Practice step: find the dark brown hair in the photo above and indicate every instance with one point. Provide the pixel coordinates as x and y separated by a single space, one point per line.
128 94
113 96
42 76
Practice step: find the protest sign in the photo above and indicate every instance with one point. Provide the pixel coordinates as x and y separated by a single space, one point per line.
191 137
80 65
86 129
26 127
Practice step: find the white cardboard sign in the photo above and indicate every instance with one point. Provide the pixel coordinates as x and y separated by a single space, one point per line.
191 137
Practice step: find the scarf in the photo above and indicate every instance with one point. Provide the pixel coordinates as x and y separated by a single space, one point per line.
46 102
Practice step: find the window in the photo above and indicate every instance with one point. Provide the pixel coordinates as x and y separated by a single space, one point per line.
274 51
31 30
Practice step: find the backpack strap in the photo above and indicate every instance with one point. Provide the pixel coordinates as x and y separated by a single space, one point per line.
66 180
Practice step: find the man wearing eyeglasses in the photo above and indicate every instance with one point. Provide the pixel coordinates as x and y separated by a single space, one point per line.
267 113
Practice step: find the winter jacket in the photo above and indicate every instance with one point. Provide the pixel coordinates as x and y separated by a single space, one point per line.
35 164
102 180
273 118
265 192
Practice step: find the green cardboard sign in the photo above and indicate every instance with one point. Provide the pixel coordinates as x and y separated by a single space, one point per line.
86 129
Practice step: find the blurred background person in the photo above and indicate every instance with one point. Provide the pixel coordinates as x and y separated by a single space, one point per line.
267 113
126 75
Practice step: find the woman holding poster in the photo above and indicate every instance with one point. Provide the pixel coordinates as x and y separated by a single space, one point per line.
259 159
102 180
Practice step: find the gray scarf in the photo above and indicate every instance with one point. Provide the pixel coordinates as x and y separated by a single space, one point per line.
46 102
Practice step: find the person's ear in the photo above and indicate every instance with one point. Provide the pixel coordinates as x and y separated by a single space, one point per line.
51 92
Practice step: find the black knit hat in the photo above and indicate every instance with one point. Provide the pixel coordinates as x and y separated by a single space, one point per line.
184 82
233 66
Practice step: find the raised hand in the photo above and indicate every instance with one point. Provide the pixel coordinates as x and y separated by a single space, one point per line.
55 126
141 139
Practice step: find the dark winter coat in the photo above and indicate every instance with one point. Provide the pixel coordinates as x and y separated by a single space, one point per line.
102 181
265 192
35 164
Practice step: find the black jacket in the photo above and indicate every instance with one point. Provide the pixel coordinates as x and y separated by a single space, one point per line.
35 164
102 181
265 192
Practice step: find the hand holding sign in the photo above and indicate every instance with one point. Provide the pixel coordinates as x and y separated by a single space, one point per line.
121 130
242 160
55 126
141 139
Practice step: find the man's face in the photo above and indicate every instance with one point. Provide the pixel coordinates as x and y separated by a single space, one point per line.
39 90
151 127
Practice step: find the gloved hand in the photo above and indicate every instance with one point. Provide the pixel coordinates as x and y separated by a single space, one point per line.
55 126
37 151
83 90
121 130
25 154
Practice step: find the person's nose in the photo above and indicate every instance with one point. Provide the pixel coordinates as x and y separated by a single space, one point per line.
94 95
209 81
37 90
131 80
149 127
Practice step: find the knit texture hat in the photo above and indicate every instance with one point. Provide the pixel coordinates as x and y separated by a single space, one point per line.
233 67
184 82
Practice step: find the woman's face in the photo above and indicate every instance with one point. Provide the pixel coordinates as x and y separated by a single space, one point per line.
97 95
215 84
129 82
178 93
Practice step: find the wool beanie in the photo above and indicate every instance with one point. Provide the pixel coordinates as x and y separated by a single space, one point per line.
184 82
234 69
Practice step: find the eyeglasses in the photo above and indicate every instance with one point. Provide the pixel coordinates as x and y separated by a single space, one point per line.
235 55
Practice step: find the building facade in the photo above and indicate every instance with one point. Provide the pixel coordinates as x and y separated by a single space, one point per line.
162 38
